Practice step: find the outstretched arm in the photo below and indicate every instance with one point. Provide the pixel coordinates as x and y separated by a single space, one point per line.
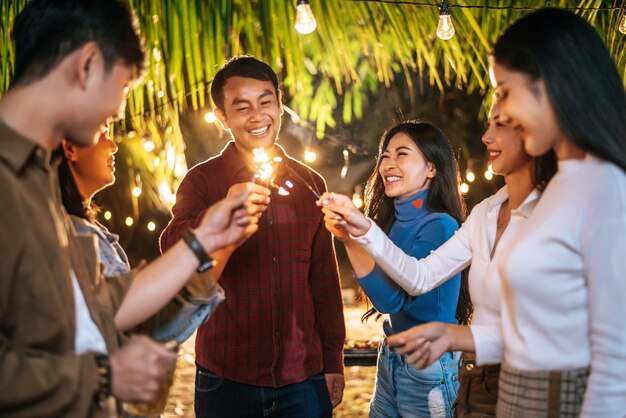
224 224
415 276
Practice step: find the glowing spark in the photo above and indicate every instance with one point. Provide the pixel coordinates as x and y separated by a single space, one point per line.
264 169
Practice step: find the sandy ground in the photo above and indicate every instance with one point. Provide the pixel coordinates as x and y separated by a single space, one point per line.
359 379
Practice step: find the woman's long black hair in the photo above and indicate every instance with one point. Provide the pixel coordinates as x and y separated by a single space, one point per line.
443 192
581 79
72 200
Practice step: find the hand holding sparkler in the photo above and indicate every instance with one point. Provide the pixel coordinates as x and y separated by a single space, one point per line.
235 218
341 215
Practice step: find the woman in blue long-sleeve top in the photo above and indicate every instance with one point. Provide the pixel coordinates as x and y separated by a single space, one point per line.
412 193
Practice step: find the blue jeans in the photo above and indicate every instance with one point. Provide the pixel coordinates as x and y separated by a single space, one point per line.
219 397
403 391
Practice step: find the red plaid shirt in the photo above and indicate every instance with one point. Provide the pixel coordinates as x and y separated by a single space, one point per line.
282 320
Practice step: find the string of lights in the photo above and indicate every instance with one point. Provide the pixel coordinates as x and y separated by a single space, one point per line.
445 28
490 7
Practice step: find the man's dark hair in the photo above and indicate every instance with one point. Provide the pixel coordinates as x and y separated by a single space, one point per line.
240 66
46 31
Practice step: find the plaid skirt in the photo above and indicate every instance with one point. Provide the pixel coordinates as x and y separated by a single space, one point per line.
541 394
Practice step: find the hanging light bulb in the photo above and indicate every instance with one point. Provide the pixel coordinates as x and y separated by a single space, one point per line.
357 199
464 188
445 28
346 163
305 20
622 23
108 215
209 117
309 155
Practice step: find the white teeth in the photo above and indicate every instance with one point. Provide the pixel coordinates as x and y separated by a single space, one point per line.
392 178
259 131
494 153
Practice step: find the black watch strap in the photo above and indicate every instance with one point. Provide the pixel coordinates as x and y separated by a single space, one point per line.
206 262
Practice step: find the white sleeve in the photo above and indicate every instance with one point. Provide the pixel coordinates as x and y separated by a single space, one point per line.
488 343
604 258
415 276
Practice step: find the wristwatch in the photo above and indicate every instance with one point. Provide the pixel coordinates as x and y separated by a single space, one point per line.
206 261
104 376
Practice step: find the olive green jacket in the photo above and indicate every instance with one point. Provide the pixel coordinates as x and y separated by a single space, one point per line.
40 375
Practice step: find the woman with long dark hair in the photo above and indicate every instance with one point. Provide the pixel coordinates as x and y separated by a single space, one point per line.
491 223
564 293
564 275
412 194
83 172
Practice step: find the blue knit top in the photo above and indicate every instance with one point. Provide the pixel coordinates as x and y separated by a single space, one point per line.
417 231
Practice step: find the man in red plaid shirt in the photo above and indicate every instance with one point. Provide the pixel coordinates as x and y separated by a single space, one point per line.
275 346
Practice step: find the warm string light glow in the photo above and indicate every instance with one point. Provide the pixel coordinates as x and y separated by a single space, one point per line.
305 20
209 117
489 172
108 215
129 221
622 23
357 197
151 226
464 188
309 155
445 28
346 164
136 191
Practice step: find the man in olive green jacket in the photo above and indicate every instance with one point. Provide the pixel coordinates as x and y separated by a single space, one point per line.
59 318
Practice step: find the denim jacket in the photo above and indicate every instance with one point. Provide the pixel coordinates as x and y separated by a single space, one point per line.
191 307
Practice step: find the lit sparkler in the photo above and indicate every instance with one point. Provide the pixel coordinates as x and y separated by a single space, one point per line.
265 173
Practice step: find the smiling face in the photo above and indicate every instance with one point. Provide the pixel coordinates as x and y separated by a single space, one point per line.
252 112
92 167
504 146
526 107
403 168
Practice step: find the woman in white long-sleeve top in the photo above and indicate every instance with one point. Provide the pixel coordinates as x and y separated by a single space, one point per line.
490 223
565 304
564 293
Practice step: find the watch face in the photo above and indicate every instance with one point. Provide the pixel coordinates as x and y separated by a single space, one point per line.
206 265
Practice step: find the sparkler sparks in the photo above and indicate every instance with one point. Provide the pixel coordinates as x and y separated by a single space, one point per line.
265 168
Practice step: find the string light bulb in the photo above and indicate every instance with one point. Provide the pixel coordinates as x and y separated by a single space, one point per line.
129 221
209 117
346 163
108 215
357 198
309 155
464 188
136 191
305 20
489 172
445 28
151 226
622 23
